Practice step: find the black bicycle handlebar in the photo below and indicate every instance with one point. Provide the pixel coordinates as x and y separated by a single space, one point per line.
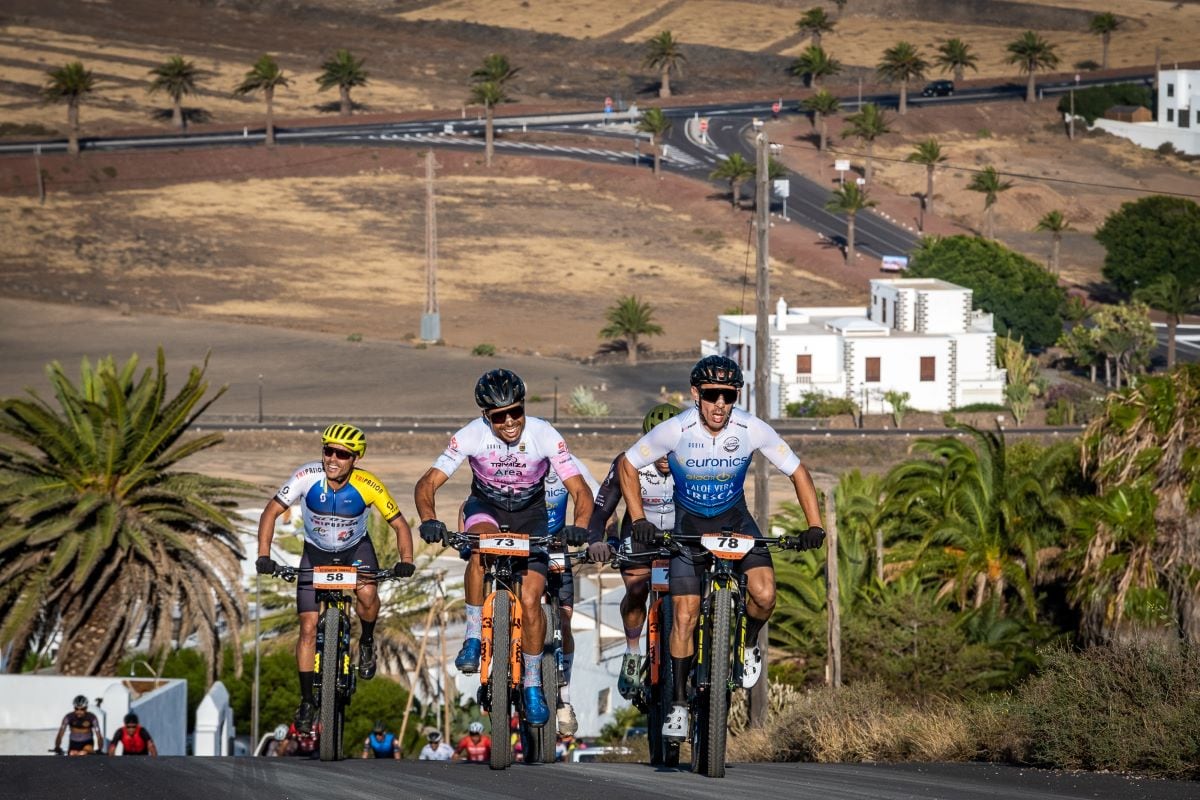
290 574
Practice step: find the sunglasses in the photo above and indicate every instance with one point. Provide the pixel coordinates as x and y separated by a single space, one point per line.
498 417
713 395
333 452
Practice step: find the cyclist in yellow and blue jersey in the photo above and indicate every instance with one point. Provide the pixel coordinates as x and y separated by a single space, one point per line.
335 499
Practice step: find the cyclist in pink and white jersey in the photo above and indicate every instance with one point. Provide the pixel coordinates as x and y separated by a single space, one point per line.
509 455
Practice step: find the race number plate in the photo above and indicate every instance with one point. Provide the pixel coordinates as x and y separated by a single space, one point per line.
733 546
335 577
558 561
660 575
504 544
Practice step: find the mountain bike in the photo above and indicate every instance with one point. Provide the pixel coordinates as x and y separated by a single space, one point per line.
500 663
720 639
336 677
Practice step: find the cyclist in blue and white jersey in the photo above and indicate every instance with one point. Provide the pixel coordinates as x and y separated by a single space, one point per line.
510 455
709 449
657 492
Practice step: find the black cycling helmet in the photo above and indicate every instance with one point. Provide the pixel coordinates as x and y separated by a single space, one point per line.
499 388
80 701
719 370
348 436
131 718
660 413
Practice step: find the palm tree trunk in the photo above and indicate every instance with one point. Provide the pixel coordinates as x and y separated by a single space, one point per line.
824 133
664 88
959 71
488 133
73 128
879 554
870 161
657 153
816 39
903 97
1107 372
177 113
735 188
345 109
989 224
1172 322
632 343
1093 369
929 189
850 238
1055 251
1105 38
270 93
1031 87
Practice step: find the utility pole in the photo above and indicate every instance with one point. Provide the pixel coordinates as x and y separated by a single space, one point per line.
762 388
1071 121
833 663
440 578
431 321
41 179
257 659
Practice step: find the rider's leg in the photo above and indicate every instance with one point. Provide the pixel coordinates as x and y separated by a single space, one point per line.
367 606
533 624
468 657
306 654
760 600
633 606
568 648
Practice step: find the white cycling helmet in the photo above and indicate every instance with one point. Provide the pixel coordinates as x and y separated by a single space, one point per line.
475 727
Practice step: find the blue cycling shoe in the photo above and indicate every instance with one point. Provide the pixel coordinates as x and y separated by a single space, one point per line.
536 712
467 660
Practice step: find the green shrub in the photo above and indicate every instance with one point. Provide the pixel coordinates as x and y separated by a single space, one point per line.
584 403
354 337
110 171
975 407
485 350
1092 102
816 404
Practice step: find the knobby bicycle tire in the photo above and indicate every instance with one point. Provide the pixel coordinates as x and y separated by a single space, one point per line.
663 751
499 680
545 738
331 664
718 691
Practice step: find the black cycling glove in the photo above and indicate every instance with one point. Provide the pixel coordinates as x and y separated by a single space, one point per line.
811 539
574 535
265 565
404 569
644 532
433 531
599 552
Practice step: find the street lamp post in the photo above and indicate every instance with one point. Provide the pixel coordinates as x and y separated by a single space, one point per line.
554 419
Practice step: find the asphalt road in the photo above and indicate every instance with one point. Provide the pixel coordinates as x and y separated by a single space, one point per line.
34 778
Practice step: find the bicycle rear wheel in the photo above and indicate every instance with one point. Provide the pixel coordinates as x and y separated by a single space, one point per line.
329 649
717 717
499 677
663 751
543 740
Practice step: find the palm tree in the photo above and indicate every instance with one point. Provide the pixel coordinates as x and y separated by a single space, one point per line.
814 64
664 54
954 55
101 538
736 170
630 319
489 89
176 77
69 84
849 199
989 183
815 23
655 123
1175 298
345 72
901 64
1142 442
496 69
264 76
1032 53
822 104
1055 223
929 153
867 125
1103 26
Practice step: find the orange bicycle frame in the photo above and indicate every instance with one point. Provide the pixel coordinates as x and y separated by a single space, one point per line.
485 656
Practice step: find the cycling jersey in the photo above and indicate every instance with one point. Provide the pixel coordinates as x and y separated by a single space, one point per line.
710 470
81 727
133 744
381 748
440 752
476 751
557 494
336 519
508 476
658 500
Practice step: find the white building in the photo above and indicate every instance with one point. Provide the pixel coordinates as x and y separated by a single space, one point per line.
918 335
1178 115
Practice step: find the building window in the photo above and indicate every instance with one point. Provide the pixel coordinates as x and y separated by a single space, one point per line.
873 370
928 368
602 702
1184 118
1170 90
1170 115
804 365
884 319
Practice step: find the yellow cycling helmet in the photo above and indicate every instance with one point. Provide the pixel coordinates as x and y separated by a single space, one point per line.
348 436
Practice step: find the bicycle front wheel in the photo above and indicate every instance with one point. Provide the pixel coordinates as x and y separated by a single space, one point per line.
499 678
331 661
717 718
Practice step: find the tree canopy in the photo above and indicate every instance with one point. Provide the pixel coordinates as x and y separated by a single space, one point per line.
1149 238
1026 301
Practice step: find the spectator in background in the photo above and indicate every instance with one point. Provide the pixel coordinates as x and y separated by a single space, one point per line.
475 746
436 749
133 738
381 743
84 728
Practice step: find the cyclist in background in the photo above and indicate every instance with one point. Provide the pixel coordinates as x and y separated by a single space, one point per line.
475 746
510 455
657 488
436 749
381 743
709 449
336 499
134 739
86 736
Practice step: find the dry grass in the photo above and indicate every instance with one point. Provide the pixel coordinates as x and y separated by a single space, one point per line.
579 19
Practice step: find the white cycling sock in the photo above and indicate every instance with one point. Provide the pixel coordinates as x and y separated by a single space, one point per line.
474 622
533 669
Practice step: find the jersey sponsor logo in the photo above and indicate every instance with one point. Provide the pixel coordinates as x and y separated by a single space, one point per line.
697 445
714 461
521 447
562 446
285 491
782 449
551 478
510 460
644 450
373 484
723 477
731 444
454 443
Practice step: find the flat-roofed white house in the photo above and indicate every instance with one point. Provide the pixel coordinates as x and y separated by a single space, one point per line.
1178 115
918 335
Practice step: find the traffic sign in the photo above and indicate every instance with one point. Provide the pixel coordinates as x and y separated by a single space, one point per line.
842 164
776 107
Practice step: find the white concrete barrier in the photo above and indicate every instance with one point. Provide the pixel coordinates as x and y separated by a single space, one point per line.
214 724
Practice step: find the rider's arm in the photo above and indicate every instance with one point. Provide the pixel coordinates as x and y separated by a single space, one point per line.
607 498
366 747
662 440
151 748
396 748
427 487
404 540
61 730
97 732
631 490
806 494
581 498
266 525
